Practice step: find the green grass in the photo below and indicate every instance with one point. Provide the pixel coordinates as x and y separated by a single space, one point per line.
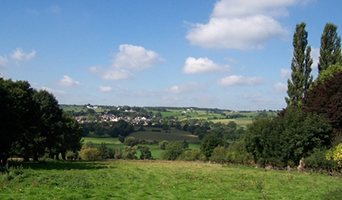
115 143
160 180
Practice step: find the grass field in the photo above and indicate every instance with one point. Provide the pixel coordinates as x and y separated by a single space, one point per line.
160 180
115 143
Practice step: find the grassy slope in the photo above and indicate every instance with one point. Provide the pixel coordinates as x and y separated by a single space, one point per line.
160 180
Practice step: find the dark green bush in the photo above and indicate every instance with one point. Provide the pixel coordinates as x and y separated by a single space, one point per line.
317 161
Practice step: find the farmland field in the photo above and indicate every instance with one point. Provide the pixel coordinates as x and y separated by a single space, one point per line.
173 136
114 143
122 179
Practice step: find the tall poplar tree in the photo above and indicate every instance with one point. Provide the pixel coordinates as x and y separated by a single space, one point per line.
301 77
330 51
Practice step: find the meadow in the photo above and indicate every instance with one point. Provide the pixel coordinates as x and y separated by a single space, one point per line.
154 148
133 179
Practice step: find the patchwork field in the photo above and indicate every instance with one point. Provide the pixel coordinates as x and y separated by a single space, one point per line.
121 179
114 143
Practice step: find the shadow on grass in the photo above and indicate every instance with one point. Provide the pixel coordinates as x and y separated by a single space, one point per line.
60 165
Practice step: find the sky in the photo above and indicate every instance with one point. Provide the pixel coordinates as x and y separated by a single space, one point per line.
226 54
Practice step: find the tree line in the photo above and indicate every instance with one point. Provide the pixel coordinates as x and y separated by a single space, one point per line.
311 124
32 124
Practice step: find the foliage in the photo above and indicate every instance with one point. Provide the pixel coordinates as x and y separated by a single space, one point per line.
330 50
237 154
103 150
87 145
318 161
326 98
130 141
335 154
285 140
121 138
145 153
91 154
219 155
209 143
163 144
32 124
129 152
300 66
172 151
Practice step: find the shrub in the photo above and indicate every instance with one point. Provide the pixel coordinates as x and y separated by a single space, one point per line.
130 141
145 153
129 152
117 153
237 154
70 155
91 154
218 155
172 151
318 161
163 144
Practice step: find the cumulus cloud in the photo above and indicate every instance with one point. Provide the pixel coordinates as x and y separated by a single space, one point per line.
185 88
54 91
202 65
241 24
66 81
129 58
19 55
280 88
285 73
240 80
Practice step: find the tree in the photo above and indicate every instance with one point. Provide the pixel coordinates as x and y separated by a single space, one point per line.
121 138
208 145
103 150
91 154
172 151
163 144
49 124
145 153
130 141
300 66
330 50
71 137
326 98
185 144
285 140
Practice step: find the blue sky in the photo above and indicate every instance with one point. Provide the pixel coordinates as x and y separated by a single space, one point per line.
229 54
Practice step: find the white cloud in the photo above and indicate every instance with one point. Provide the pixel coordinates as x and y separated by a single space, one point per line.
280 88
185 88
315 57
202 65
3 61
66 81
105 88
54 91
240 80
19 54
285 73
135 57
129 58
241 24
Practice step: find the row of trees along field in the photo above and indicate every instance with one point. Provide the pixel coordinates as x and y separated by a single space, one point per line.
32 124
311 125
